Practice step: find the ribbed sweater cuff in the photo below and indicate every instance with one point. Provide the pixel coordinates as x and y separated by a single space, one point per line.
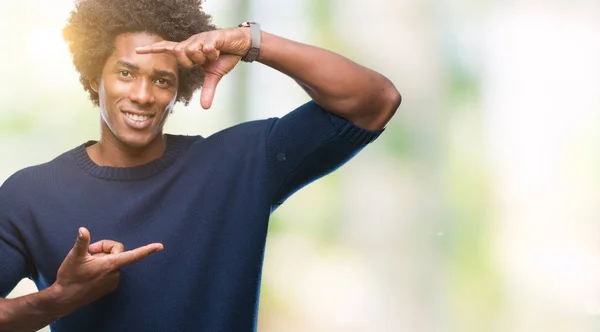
354 133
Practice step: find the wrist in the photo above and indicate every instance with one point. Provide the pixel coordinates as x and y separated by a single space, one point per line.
252 32
55 301
247 38
32 312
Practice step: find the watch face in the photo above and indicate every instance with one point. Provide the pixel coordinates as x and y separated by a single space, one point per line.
246 24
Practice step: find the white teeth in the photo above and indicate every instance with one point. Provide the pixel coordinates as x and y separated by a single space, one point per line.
136 117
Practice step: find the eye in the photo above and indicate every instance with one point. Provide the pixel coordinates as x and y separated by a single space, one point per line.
125 73
162 81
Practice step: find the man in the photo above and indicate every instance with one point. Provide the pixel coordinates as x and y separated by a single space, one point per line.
207 201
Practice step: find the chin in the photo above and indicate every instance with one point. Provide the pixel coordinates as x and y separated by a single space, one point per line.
136 140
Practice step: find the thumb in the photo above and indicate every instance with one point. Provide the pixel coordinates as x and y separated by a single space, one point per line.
82 243
208 89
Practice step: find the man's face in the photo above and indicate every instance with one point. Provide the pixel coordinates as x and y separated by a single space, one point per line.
137 91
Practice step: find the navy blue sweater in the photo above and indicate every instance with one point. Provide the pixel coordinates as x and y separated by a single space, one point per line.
208 200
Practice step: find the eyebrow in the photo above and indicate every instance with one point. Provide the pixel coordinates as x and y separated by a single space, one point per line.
157 72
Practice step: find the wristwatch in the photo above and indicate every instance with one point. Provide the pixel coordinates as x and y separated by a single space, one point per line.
255 36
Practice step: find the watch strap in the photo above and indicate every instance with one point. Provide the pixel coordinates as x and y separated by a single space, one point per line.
255 39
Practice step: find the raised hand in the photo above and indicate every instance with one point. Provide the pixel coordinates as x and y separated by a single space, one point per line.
83 277
217 52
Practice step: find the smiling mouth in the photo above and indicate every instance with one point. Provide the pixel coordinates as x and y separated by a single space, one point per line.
137 117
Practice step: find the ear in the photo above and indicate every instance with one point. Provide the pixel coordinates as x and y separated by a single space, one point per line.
95 84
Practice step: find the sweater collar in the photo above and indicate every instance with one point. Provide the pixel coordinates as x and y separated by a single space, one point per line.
172 151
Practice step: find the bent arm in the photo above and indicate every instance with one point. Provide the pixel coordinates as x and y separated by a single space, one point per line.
342 87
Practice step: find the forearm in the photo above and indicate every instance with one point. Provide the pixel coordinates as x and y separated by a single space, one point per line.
32 312
339 85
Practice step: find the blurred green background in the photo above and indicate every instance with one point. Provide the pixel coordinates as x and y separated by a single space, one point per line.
477 210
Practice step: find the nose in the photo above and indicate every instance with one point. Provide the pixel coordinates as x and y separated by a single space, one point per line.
141 92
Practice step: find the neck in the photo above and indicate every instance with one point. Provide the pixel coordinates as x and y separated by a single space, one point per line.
109 151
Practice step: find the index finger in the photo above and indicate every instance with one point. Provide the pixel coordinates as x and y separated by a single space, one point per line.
164 46
135 255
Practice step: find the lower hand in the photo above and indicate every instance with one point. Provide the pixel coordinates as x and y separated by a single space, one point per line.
83 278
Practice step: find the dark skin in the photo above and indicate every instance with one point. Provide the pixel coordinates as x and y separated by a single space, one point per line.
137 93
137 90
133 84
88 273
342 87
339 85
